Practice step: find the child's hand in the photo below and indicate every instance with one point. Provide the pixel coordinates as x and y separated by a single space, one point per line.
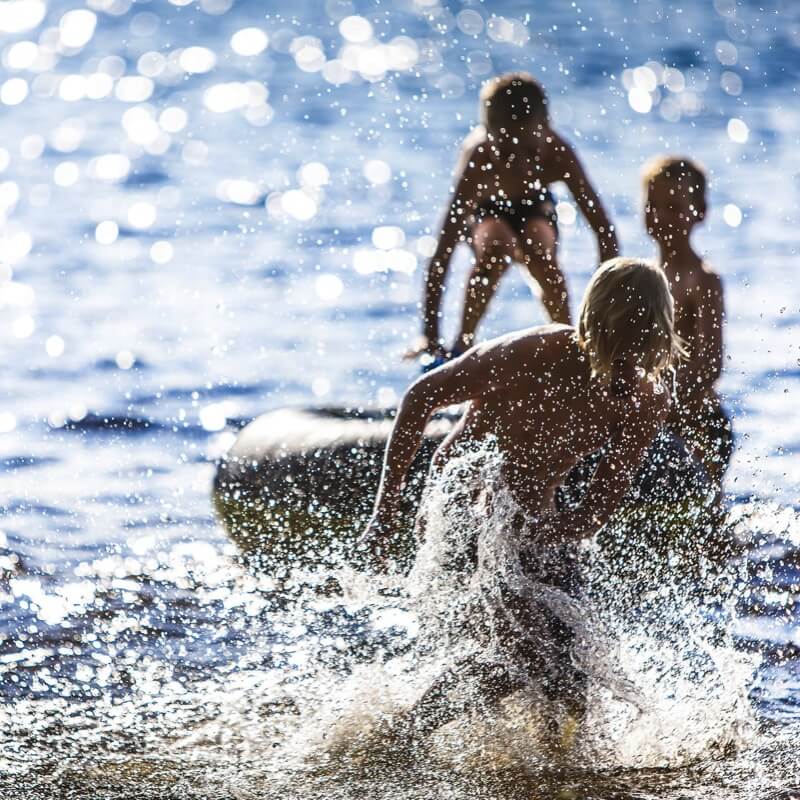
374 542
423 345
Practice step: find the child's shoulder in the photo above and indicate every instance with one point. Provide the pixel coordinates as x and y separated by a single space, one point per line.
476 143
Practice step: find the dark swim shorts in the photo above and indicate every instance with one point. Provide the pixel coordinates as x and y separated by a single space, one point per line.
541 206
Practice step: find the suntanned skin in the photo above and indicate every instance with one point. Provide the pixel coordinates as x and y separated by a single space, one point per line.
699 309
515 166
532 390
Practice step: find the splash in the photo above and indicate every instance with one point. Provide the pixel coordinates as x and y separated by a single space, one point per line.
540 655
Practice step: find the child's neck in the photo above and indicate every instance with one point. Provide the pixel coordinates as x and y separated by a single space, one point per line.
677 254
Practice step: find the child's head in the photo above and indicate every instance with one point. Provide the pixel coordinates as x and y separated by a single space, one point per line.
627 315
675 196
513 104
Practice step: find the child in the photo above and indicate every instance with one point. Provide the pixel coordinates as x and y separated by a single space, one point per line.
675 202
549 396
503 207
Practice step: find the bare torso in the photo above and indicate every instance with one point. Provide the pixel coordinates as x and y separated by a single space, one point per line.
545 422
519 172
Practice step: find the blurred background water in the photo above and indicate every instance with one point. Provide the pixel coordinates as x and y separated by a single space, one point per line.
210 209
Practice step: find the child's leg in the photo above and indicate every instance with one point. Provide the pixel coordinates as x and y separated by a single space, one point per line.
468 685
539 247
494 243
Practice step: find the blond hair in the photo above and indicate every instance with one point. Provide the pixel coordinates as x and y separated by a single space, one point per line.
681 174
628 308
512 99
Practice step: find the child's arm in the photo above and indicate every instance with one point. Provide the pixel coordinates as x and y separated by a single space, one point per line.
698 375
614 474
450 234
476 374
588 201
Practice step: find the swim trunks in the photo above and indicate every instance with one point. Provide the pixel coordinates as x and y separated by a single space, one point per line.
517 215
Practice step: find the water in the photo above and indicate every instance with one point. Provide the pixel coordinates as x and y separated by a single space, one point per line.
169 268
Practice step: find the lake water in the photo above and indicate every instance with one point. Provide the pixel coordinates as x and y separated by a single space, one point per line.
209 210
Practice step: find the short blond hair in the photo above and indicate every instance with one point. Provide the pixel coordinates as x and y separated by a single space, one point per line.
628 303
513 98
679 173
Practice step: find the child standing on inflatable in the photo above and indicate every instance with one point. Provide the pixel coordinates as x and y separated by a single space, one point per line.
675 202
547 396
502 206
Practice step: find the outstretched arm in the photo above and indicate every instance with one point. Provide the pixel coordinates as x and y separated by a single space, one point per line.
589 203
451 233
614 474
481 371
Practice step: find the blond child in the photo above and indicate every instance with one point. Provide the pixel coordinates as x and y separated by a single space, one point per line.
548 396
675 203
502 206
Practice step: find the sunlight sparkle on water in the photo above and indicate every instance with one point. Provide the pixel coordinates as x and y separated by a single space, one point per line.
738 131
173 119
67 137
224 97
356 29
54 346
106 232
15 244
134 89
329 288
249 41
9 196
566 213
377 172
214 417
320 387
367 261
17 16
142 215
732 215
387 237
313 174
76 28
125 359
23 326
308 53
7 422
197 60
21 55
66 174
298 204
640 100
13 91
239 191
469 22
161 252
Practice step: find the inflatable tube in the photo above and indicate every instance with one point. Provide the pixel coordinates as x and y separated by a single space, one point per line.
298 485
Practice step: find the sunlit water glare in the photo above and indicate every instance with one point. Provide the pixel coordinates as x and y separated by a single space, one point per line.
209 209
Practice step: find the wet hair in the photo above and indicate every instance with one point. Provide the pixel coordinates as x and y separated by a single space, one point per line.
512 99
682 175
628 306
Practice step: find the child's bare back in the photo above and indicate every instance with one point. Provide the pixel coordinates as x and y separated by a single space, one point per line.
502 206
544 427
675 204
